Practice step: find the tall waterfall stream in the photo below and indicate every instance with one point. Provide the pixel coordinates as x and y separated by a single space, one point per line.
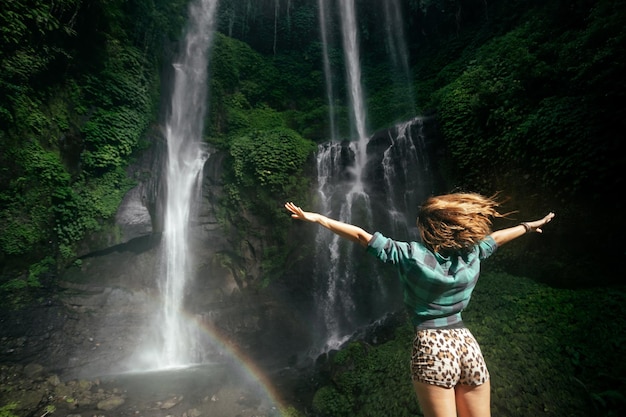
349 191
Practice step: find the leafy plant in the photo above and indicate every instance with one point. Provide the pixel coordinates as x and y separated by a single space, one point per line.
370 380
49 410
269 159
7 410
329 402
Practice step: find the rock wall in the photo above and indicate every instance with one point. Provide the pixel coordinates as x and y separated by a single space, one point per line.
101 311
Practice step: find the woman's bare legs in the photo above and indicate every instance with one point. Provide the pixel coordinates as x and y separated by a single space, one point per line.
473 400
467 400
434 400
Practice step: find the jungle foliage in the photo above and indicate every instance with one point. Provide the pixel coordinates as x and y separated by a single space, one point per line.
369 380
525 89
253 120
79 87
529 100
541 100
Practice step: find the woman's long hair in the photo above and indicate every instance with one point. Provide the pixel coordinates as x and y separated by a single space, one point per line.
456 222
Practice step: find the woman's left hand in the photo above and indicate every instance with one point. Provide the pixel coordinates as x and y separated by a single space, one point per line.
538 224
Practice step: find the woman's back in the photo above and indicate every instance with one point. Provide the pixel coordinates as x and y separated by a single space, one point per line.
436 288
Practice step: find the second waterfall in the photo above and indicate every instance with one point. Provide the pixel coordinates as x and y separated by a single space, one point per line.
370 180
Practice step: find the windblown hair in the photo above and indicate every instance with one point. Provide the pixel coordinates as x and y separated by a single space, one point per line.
456 222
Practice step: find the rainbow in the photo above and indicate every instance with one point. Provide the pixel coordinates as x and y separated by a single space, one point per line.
142 361
246 364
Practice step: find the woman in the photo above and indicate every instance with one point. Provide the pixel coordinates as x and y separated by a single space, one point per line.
438 276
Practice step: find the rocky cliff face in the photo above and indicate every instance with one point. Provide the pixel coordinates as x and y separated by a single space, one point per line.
99 315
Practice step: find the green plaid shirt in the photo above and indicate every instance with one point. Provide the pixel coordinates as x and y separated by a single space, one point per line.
436 288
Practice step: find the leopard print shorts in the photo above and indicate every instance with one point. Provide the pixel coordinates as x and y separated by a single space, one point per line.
447 357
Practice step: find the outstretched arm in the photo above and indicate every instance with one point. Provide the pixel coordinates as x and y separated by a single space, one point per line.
503 236
345 230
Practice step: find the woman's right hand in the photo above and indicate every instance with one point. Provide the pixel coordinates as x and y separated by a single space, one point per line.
345 230
299 214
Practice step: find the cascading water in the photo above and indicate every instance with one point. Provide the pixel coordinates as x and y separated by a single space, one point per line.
335 279
323 16
186 158
353 68
398 52
349 291
404 163
333 293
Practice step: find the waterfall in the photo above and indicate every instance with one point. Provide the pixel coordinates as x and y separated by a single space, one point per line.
335 266
404 163
382 177
323 16
396 45
185 160
350 291
333 275
276 9
353 68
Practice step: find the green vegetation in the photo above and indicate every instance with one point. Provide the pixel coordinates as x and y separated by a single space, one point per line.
290 412
528 100
266 169
537 101
269 159
250 91
77 111
266 154
78 96
7 410
370 380
540 361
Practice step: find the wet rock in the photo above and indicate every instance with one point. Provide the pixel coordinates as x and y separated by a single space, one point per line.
133 217
194 412
84 385
63 391
170 403
54 380
110 403
33 370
